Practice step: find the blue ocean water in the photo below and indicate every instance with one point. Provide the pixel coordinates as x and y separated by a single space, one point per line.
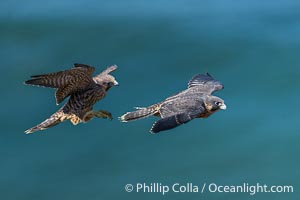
251 46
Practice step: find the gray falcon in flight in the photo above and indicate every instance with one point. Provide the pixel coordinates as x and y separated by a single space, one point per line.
84 91
195 102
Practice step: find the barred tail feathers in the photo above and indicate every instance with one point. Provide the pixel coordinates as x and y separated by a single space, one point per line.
53 120
140 113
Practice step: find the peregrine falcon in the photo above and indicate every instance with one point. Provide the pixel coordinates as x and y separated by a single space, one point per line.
84 91
195 102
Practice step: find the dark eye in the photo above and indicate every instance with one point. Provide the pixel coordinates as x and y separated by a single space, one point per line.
218 103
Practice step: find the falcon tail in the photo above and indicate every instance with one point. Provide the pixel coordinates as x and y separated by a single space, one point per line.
53 120
140 113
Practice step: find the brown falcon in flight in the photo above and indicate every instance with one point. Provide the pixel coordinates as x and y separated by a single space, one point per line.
195 102
84 91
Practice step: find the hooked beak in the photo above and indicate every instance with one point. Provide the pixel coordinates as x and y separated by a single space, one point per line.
116 83
223 107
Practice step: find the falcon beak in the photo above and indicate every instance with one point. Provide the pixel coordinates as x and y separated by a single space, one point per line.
223 107
116 83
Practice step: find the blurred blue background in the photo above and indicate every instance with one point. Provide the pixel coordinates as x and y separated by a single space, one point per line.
251 46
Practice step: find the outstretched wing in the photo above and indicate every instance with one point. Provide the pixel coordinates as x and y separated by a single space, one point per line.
174 121
206 83
62 78
106 73
109 70
67 81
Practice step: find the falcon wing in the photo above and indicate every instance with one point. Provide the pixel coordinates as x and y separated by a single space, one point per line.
89 68
67 81
186 103
109 70
206 83
174 121
106 72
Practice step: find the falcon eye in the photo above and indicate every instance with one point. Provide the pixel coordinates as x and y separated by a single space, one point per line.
218 103
109 84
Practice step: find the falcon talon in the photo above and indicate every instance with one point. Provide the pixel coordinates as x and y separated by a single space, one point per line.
196 101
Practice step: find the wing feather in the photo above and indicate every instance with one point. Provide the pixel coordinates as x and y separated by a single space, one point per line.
181 104
206 83
174 121
68 81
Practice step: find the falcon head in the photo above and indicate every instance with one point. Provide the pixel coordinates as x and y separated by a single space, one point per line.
214 104
107 82
105 79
